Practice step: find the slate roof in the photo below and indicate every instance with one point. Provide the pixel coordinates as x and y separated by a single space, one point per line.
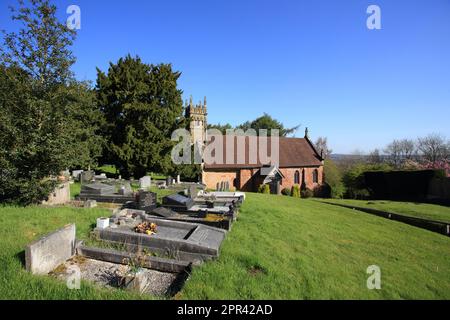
293 152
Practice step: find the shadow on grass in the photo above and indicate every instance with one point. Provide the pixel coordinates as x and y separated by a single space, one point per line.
20 256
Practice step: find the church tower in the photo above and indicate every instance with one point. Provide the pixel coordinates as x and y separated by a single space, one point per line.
197 117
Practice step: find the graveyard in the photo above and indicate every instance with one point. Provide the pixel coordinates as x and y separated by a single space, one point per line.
142 245
277 248
116 185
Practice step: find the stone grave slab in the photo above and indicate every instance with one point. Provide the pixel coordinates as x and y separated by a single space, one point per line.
97 189
45 254
174 236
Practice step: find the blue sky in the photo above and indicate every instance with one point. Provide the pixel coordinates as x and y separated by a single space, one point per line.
313 63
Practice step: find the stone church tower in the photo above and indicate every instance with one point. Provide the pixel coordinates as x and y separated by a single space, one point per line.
197 117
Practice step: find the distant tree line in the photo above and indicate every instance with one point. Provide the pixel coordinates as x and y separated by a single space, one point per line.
263 122
432 150
345 175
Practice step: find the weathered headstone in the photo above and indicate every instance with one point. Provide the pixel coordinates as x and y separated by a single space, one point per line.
87 176
125 188
168 181
45 254
192 191
147 201
178 179
60 195
137 281
145 182
76 174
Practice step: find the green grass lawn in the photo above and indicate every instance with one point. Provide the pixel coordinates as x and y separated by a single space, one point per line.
310 250
413 209
20 226
280 248
75 189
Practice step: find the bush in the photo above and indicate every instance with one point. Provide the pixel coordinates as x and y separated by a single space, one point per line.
323 191
264 188
354 180
286 192
307 193
399 185
295 191
261 188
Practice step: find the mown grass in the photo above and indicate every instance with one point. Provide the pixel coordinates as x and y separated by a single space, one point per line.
280 248
20 226
305 249
75 189
412 209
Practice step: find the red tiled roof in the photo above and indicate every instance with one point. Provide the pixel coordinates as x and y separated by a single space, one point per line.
293 152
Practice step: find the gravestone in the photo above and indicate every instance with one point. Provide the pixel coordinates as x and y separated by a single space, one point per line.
96 189
87 176
168 181
163 212
45 254
101 176
178 179
145 182
146 201
125 188
76 174
192 191
89 204
178 202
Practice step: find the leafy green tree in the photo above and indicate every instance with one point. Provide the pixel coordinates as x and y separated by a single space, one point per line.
86 122
42 45
222 128
142 107
333 178
46 115
268 123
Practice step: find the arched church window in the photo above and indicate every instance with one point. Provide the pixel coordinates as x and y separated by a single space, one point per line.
297 177
316 176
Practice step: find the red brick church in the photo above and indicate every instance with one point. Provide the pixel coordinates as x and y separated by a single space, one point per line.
299 162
